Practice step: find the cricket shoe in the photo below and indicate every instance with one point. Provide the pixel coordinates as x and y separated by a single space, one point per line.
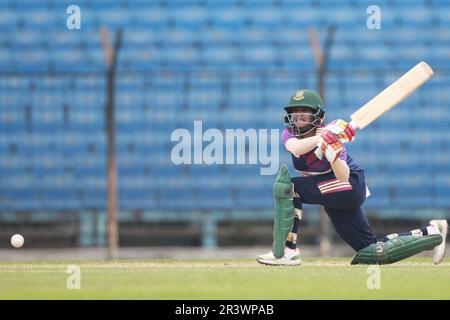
439 251
291 258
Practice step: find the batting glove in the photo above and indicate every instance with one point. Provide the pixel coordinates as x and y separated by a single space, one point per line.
342 130
330 146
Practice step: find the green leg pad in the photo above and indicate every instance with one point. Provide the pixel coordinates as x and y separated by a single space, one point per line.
284 210
395 249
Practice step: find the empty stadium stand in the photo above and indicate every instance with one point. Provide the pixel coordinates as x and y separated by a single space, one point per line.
232 64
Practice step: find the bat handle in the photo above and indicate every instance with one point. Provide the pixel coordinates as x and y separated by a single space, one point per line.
353 124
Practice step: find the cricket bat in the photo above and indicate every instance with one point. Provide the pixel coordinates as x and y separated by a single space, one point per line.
389 97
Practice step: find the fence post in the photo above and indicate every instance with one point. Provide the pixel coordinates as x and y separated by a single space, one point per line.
209 231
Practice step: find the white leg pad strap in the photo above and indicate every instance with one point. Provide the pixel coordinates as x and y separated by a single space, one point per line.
298 213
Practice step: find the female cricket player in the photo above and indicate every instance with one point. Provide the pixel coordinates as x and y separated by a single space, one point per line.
337 182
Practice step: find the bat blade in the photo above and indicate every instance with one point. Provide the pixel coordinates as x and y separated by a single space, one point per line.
392 95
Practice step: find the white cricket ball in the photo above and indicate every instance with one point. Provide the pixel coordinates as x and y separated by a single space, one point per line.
17 241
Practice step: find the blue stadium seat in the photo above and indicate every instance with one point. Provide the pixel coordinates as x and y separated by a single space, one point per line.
229 18
302 17
113 18
137 199
293 56
265 18
69 60
23 199
205 94
213 198
154 17
232 64
41 19
178 199
9 21
257 197
180 57
221 57
261 57
189 17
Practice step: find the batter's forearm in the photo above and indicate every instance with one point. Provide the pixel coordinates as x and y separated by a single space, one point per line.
341 170
302 146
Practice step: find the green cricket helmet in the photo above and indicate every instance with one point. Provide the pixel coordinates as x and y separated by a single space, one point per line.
307 99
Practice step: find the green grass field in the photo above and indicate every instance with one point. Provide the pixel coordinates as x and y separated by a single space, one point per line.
223 279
